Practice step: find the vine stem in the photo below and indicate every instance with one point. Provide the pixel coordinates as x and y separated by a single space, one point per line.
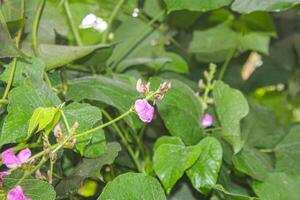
35 25
125 142
226 63
72 24
103 125
111 19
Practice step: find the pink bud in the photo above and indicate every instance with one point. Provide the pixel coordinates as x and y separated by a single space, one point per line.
12 161
207 120
144 110
57 130
16 194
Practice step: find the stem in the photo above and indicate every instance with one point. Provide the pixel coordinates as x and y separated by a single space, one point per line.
111 19
35 25
127 145
226 63
267 150
103 125
72 24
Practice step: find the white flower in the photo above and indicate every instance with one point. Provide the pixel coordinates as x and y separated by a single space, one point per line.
92 21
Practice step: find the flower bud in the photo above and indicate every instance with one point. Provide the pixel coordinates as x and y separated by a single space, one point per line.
207 120
57 131
141 87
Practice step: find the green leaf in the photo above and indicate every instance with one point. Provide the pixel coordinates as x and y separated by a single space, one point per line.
171 160
261 43
204 173
33 69
287 152
247 6
32 188
278 186
42 118
87 168
181 112
58 55
195 5
133 186
135 46
109 91
253 163
167 140
23 101
260 127
93 144
234 196
231 107
214 44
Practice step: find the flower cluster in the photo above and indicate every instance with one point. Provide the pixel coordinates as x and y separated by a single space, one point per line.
145 110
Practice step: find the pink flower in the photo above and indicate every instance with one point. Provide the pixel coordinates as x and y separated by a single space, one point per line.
144 110
207 120
16 194
14 161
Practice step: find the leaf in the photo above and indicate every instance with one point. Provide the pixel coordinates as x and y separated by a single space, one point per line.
181 112
32 188
260 127
109 91
233 195
58 55
23 101
171 160
214 44
247 6
141 187
42 118
253 163
87 168
93 144
33 69
7 46
204 173
287 152
52 22
278 186
195 5
134 45
261 43
231 107
167 140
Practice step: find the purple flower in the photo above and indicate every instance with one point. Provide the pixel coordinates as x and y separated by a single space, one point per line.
14 161
144 110
16 194
207 120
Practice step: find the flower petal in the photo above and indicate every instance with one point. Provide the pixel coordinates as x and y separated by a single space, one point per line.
16 194
24 155
144 110
207 120
9 159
